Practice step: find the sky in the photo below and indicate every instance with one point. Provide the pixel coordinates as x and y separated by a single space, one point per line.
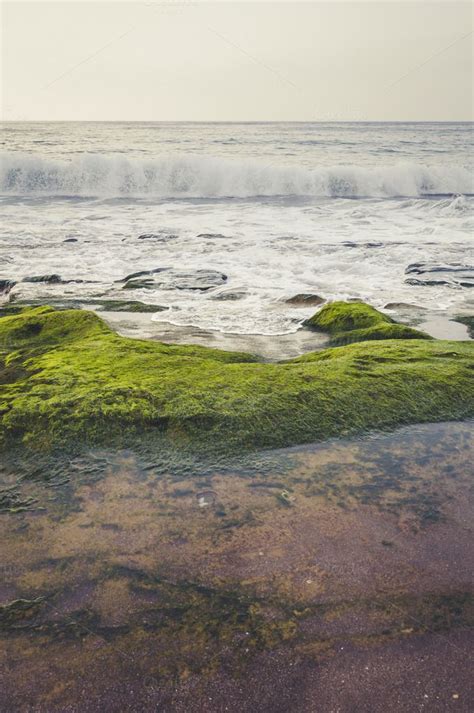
185 60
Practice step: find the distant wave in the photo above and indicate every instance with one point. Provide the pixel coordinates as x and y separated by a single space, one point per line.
106 176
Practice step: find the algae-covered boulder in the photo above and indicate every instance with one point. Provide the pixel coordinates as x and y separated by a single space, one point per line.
66 379
358 322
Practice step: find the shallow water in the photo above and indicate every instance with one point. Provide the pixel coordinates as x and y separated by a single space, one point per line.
155 581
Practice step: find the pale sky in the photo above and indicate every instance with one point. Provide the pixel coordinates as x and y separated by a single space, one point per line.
178 60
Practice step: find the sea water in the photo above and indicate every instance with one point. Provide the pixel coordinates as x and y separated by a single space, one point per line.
334 209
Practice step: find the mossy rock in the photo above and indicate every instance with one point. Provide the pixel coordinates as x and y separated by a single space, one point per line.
68 379
358 322
98 304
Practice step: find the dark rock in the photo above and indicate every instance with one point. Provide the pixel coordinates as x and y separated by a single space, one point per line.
97 304
305 300
141 273
160 237
201 280
228 295
6 286
211 236
70 240
51 279
455 275
139 285
436 283
402 305
352 244
420 268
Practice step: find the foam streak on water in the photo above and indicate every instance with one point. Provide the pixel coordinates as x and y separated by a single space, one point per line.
335 209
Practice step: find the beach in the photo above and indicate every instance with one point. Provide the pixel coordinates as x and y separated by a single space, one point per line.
236 417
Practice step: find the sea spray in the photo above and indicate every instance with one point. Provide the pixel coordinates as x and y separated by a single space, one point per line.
109 176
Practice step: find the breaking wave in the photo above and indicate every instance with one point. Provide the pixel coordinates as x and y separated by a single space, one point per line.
106 176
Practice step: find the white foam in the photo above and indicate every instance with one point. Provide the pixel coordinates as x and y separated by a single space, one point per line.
108 176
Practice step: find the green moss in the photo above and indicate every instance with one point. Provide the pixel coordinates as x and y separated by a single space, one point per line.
70 378
97 304
468 320
349 322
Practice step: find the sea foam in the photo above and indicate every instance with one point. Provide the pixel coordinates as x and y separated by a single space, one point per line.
109 176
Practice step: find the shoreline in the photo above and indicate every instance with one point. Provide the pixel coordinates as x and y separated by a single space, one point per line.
67 377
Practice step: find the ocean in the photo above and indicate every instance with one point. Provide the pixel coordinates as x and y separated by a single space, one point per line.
236 218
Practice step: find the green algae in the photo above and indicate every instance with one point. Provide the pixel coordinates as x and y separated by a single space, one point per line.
67 378
358 322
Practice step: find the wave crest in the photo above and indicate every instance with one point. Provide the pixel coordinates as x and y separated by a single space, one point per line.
97 175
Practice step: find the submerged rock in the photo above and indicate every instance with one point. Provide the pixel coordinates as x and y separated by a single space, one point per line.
50 279
305 299
141 273
403 306
6 286
70 240
434 275
211 236
97 304
160 237
352 244
170 279
229 295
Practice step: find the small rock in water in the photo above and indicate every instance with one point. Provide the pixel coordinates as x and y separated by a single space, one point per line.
201 280
6 286
70 240
211 235
402 305
161 237
305 300
51 279
141 273
455 275
229 295
352 244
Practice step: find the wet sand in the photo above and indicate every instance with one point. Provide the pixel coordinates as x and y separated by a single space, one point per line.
333 577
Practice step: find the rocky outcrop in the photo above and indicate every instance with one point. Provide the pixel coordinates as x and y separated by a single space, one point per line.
434 275
169 279
305 299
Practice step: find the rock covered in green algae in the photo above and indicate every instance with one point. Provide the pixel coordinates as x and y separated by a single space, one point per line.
67 378
359 322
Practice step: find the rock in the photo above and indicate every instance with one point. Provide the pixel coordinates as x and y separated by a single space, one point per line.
51 279
97 305
455 275
211 236
201 280
70 240
305 299
139 285
352 244
141 273
6 286
402 305
228 295
420 268
161 237
435 283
